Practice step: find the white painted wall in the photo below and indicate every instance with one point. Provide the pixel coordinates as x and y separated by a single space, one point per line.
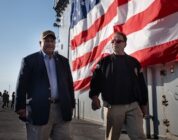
166 85
63 36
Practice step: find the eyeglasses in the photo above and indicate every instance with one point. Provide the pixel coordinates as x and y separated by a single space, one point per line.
117 41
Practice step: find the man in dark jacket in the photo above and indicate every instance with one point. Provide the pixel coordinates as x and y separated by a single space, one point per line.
119 79
44 94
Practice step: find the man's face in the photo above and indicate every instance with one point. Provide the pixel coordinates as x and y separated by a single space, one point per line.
48 45
118 43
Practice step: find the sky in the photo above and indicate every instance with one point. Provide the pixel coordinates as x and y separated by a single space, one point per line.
21 23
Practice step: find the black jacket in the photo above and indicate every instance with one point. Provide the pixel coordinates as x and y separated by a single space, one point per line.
33 83
103 80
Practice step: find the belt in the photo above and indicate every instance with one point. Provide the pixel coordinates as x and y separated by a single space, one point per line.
54 101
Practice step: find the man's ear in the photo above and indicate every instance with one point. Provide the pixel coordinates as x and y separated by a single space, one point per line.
40 42
125 44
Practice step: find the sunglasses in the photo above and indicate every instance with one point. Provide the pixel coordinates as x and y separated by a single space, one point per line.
117 41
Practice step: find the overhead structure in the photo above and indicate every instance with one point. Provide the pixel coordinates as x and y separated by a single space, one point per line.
60 6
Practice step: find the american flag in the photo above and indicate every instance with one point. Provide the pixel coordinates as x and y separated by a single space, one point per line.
151 27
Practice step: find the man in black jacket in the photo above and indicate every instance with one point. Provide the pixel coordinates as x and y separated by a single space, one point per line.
118 77
44 93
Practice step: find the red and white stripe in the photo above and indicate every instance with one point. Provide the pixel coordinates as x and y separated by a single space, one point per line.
150 25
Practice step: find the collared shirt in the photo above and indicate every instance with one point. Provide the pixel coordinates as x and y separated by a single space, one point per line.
52 75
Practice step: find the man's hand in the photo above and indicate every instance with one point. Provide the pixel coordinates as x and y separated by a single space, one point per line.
144 110
95 103
22 113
